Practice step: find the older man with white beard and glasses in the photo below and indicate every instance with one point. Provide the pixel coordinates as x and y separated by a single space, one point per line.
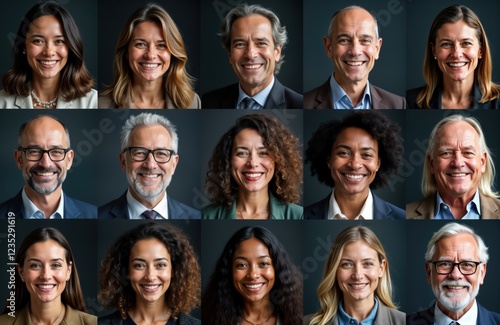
148 156
44 157
456 260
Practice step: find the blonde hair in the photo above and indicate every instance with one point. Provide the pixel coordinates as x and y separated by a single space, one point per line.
178 83
329 292
429 186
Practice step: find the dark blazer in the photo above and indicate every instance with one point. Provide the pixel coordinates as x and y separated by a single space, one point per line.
425 208
115 319
73 209
381 210
321 98
227 97
117 209
411 98
426 317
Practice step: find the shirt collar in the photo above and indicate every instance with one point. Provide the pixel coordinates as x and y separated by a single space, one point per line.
30 208
340 99
345 319
366 211
135 208
470 317
260 98
443 210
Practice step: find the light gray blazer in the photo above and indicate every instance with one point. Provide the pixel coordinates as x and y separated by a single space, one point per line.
14 101
385 316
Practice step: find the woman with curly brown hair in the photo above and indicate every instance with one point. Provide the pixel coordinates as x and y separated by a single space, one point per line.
354 155
255 172
151 275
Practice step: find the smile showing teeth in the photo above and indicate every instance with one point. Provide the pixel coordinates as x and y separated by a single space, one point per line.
150 175
358 286
458 175
252 66
254 286
354 176
48 63
455 287
150 66
151 287
457 64
354 63
253 175
45 174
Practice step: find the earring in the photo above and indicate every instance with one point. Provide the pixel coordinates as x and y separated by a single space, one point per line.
24 52
435 58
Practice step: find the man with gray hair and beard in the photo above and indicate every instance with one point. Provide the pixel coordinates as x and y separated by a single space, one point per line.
148 156
456 260
44 156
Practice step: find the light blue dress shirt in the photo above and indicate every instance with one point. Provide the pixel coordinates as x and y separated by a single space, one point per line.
345 319
260 98
443 210
340 99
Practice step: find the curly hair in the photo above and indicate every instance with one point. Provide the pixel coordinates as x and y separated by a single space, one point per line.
222 304
184 292
329 292
385 131
75 79
177 82
283 148
72 294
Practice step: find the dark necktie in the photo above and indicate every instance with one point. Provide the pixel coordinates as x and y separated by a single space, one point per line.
454 323
149 214
249 103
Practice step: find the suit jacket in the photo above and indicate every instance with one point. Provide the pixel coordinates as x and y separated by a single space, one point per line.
385 316
118 209
425 208
71 317
14 101
321 98
108 102
411 98
115 319
73 209
426 317
227 97
381 210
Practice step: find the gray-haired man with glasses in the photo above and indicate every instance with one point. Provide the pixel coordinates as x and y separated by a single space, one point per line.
456 260
148 156
44 156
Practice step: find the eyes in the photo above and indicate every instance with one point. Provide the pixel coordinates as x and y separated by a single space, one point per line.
38 266
448 45
144 45
343 153
243 265
447 154
349 265
242 45
143 266
41 41
348 41
246 153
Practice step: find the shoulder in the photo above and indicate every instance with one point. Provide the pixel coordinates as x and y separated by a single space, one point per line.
89 211
215 211
106 102
12 207
182 210
422 317
292 98
284 211
486 317
318 210
77 317
421 209
393 211
7 100
87 101
388 99
118 206
411 96
394 316
185 319
111 319
220 98
196 103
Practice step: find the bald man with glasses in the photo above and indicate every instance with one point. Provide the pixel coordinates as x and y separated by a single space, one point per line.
44 156
149 157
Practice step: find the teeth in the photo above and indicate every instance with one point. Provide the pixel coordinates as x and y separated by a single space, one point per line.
354 176
358 286
48 286
460 64
355 63
48 62
150 66
150 287
455 287
45 174
150 175
459 175
253 175
253 286
253 66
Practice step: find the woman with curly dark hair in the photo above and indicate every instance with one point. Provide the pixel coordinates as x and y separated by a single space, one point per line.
152 276
255 172
355 155
254 282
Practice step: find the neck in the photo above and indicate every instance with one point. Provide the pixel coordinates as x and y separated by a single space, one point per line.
45 89
145 312
46 313
350 204
258 312
458 205
354 90
253 205
47 203
457 94
359 309
148 94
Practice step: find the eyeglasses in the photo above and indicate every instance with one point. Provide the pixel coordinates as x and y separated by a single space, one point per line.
36 154
446 267
141 154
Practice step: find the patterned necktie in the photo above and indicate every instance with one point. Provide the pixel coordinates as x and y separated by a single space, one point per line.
38 215
249 103
149 214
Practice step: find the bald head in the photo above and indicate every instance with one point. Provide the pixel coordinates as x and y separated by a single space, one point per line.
41 125
354 14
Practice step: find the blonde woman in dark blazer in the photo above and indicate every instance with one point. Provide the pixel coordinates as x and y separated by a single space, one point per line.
356 283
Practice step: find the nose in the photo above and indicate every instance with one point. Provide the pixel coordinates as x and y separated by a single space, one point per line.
150 161
357 272
150 274
253 160
49 49
250 51
45 161
455 273
253 272
355 162
457 51
45 273
458 160
151 52
355 47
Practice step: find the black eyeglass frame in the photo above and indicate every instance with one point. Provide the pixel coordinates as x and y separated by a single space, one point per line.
43 151
453 266
150 151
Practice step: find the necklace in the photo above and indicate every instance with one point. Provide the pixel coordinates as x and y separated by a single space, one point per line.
58 316
43 104
255 217
249 322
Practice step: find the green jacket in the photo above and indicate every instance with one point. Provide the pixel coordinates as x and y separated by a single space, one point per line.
278 211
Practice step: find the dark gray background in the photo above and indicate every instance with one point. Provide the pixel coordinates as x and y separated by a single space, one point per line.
216 70
420 15
389 70
109 231
82 238
81 179
84 13
315 191
419 125
320 234
418 290
113 14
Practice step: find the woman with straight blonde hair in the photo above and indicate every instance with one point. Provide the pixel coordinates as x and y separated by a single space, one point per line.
356 282
150 65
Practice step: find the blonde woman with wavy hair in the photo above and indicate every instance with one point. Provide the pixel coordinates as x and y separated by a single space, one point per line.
356 282
150 65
